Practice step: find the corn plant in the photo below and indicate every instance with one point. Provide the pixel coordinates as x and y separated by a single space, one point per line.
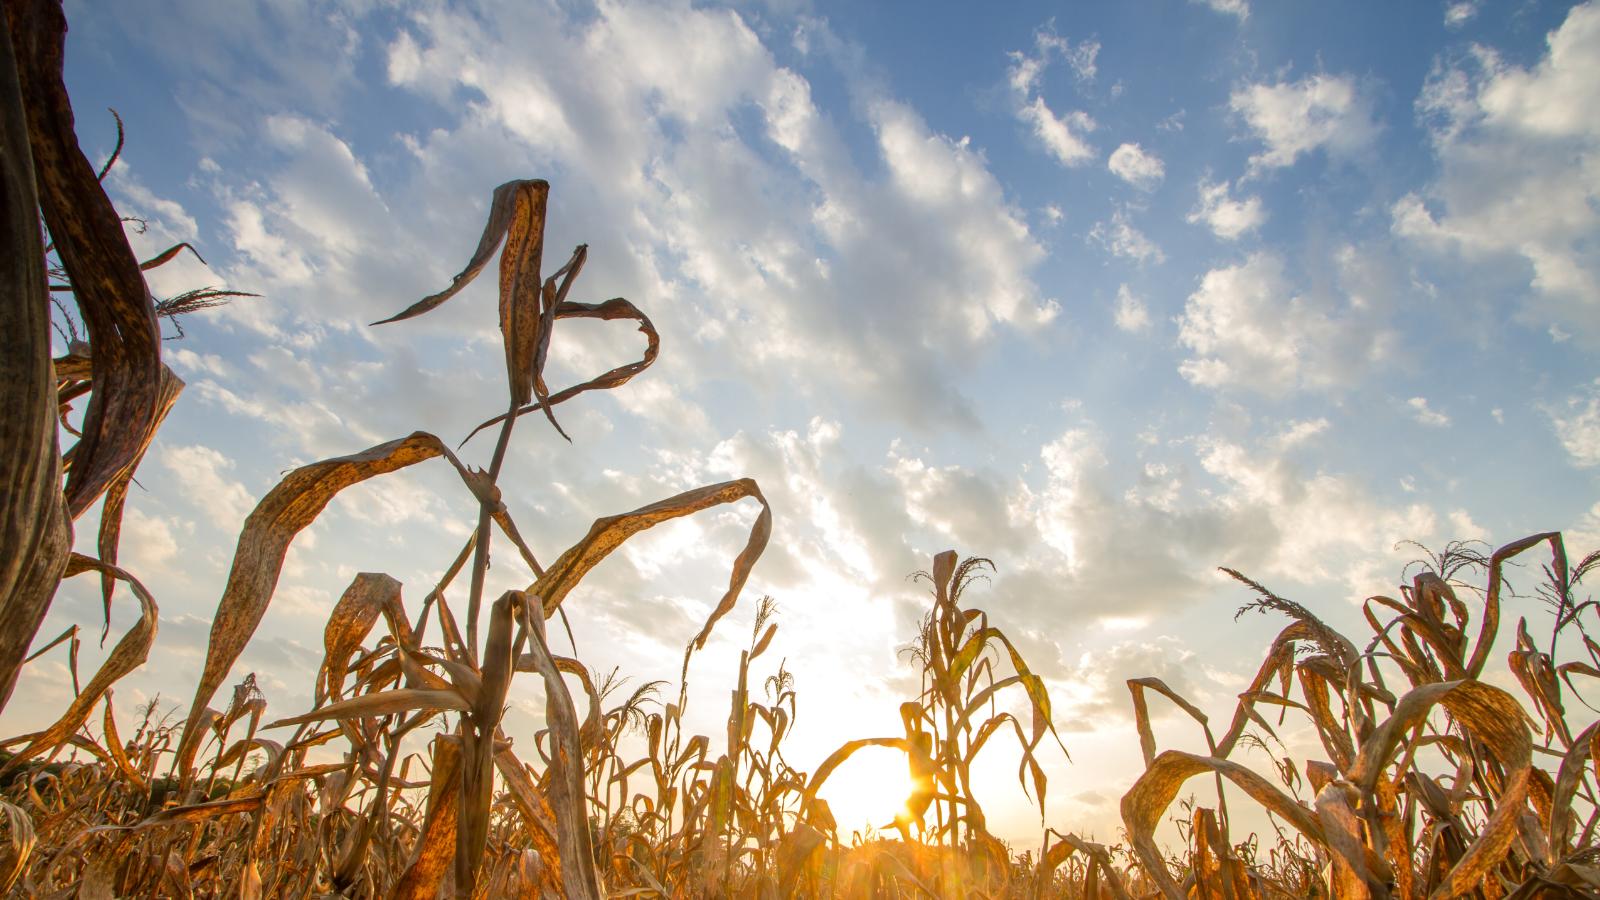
1435 783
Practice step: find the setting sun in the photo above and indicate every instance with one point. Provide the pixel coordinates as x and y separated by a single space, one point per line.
870 788
993 451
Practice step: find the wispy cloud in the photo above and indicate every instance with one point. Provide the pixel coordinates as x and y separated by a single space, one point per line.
1577 424
1430 417
1131 314
1062 136
1237 8
1123 239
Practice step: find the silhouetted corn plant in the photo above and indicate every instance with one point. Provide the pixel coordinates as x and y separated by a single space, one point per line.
1433 788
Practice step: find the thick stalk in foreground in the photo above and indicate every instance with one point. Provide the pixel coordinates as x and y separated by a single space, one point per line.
35 535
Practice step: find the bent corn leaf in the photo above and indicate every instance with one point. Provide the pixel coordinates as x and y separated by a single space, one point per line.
295 503
609 533
129 654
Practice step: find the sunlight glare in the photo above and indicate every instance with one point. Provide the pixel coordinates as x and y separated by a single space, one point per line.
868 789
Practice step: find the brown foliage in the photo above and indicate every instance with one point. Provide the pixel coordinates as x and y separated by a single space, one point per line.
171 810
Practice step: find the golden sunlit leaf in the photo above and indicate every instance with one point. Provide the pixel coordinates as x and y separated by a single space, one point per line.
609 533
129 654
384 703
293 504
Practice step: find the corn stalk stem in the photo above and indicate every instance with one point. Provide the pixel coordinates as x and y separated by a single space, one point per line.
480 555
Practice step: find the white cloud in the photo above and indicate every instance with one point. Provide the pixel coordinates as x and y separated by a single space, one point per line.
190 361
1097 695
1249 328
148 544
1429 417
1318 111
1131 312
764 247
972 509
1459 14
1312 515
1256 511
1135 166
1062 136
1226 217
1577 424
1122 239
1026 70
199 474
1584 535
1298 433
1519 154
1239 8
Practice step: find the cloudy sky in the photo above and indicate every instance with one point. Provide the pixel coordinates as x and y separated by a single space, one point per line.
1112 294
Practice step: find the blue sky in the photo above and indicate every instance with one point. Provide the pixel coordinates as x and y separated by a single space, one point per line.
1111 293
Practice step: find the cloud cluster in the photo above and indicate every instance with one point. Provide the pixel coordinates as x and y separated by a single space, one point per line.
1320 111
1577 425
1226 217
1250 327
1064 137
1519 149
774 251
1236 8
1122 238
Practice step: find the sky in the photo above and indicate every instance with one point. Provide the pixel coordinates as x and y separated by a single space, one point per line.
1110 294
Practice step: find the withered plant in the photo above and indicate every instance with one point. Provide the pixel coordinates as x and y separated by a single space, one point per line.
1435 782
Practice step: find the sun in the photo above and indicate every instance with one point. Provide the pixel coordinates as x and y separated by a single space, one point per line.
869 789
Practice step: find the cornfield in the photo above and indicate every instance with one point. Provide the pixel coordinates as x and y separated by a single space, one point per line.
1434 782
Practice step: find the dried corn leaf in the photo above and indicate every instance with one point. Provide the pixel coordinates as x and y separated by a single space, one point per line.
1572 770
435 851
609 533
794 853
124 338
502 206
1491 598
369 596
167 255
616 308
536 812
289 507
1343 833
200 812
478 738
21 836
1102 863
564 779
1141 714
1146 803
383 703
917 752
1494 718
129 654
100 875
521 290
118 752
117 493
